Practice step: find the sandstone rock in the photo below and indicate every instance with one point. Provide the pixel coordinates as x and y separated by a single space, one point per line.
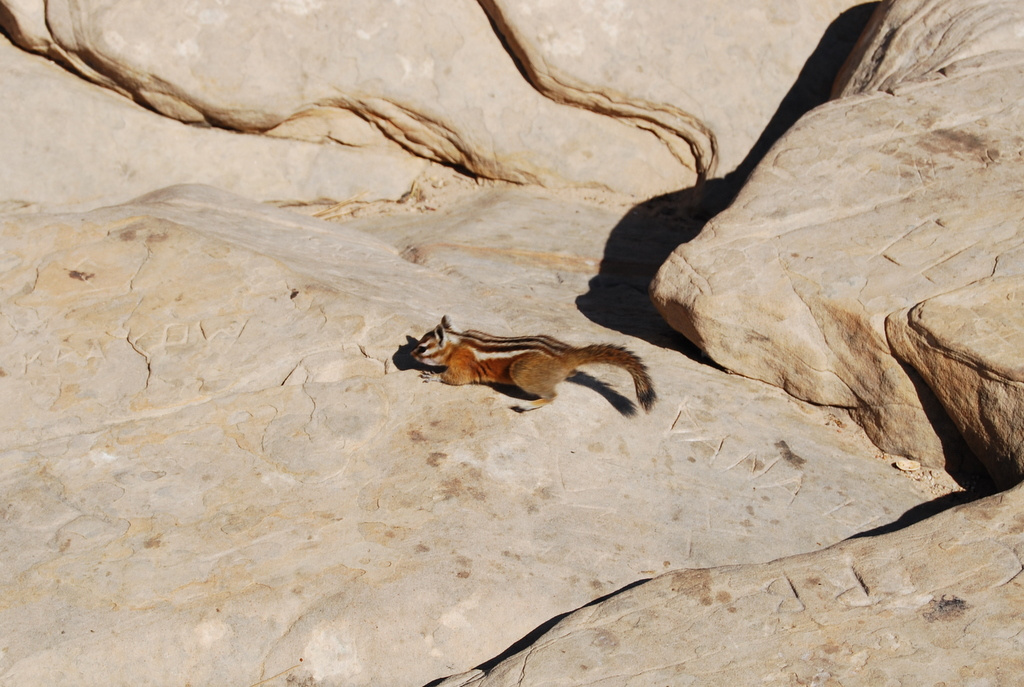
72 144
869 205
917 40
212 444
938 603
711 78
449 92
967 344
623 99
217 466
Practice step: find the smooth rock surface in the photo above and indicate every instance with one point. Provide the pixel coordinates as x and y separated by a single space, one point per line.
967 345
938 603
212 443
682 70
917 40
331 72
637 98
71 144
218 464
869 205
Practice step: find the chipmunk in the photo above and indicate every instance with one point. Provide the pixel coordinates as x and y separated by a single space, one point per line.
535 364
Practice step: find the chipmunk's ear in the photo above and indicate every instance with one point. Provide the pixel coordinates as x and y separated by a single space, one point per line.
446 322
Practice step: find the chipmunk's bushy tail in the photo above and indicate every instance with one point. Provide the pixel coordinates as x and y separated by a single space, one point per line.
610 354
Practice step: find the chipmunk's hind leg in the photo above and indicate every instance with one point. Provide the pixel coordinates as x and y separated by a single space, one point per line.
531 405
537 374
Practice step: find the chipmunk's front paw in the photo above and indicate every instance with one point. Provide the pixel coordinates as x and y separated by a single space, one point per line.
430 376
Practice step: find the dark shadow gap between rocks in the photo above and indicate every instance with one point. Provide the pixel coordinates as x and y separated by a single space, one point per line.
647 234
961 463
978 490
813 87
536 633
6 19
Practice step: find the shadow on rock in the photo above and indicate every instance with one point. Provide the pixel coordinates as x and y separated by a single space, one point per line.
531 637
812 88
645 237
977 487
403 359
622 404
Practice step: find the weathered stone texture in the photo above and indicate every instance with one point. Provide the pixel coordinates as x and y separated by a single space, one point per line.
218 464
938 603
918 40
675 68
72 145
967 345
212 444
869 205
437 82
614 96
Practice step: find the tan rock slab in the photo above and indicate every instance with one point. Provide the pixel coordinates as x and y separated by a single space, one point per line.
869 205
967 345
937 603
212 443
915 40
74 145
653 62
332 72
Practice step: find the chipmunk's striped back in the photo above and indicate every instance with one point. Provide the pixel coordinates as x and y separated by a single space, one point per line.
536 364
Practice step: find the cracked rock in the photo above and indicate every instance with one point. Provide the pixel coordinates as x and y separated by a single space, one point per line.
201 449
939 602
871 204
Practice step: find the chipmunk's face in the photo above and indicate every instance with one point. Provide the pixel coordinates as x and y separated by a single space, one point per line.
430 349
